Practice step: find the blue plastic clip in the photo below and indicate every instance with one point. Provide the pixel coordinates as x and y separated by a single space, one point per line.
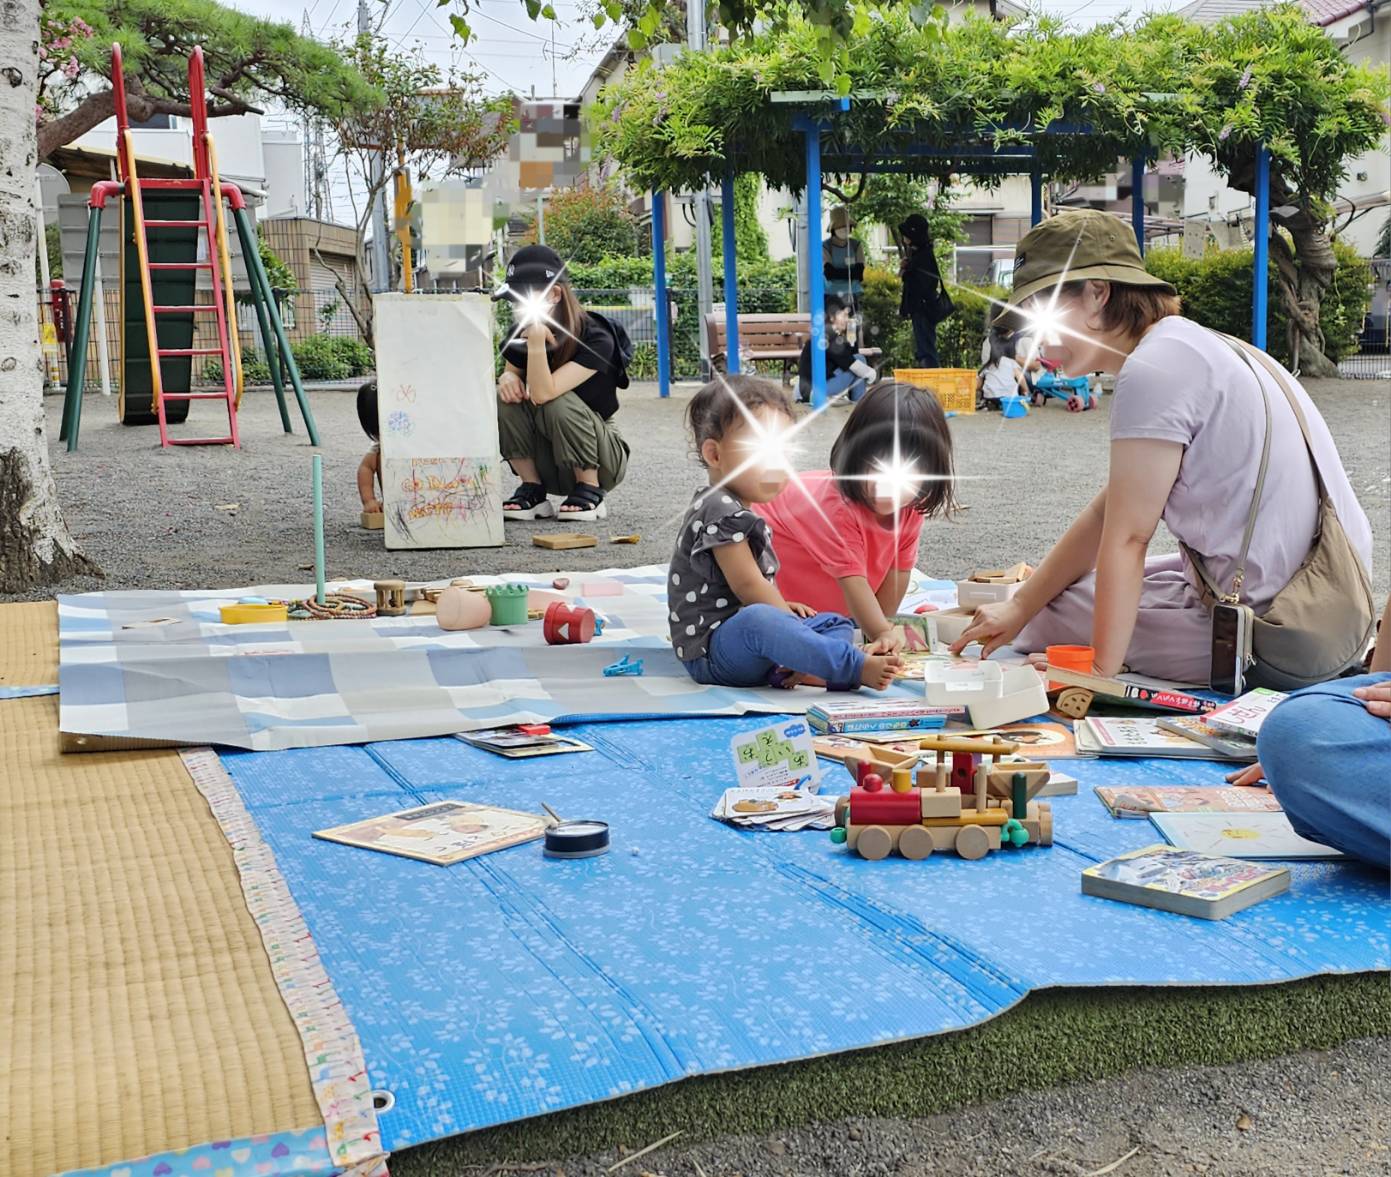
624 666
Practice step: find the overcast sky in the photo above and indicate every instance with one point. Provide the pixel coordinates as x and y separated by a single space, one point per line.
514 53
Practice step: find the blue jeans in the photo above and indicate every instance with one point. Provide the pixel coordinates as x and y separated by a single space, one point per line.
840 381
760 639
1328 761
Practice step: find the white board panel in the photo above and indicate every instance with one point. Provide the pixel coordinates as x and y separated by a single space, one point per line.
437 411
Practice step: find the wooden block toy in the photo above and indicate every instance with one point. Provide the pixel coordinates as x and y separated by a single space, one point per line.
1074 702
901 780
560 540
884 807
947 803
373 520
251 613
567 625
508 603
457 608
391 597
561 582
988 586
624 539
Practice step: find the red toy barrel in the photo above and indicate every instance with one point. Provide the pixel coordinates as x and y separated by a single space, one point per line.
564 625
885 808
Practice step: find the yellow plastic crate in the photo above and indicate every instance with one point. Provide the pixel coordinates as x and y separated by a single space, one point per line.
954 388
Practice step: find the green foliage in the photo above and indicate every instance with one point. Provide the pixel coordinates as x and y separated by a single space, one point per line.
355 355
254 370
1216 292
880 325
959 338
1165 84
248 59
750 241
277 271
320 358
588 224
53 246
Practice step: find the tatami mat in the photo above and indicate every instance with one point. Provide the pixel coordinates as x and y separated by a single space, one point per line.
138 1012
29 644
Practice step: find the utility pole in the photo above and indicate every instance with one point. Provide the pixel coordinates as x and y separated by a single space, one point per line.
381 256
700 205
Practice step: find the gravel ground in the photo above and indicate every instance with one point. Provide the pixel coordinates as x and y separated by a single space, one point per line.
190 518
1304 1115
194 517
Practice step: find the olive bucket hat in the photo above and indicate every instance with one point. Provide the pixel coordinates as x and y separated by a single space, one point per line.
1074 246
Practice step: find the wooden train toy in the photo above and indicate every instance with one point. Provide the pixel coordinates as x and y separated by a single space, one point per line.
986 806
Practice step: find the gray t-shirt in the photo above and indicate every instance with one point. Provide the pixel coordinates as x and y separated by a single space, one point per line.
699 597
1184 384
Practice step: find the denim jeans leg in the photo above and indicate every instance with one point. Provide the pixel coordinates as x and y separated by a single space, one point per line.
760 638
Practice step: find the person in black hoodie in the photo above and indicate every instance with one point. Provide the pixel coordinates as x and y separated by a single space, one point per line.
923 296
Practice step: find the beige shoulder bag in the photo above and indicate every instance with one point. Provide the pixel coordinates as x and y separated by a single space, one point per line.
1319 624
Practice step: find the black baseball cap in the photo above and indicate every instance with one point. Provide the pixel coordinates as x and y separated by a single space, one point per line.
533 267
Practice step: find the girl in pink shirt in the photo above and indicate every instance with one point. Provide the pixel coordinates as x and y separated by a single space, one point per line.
847 537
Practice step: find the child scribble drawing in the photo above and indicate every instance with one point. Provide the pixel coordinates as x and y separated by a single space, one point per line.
369 470
729 623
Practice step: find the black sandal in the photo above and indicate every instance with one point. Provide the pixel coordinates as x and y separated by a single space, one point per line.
528 501
589 500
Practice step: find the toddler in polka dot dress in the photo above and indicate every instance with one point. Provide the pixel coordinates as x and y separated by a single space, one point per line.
729 623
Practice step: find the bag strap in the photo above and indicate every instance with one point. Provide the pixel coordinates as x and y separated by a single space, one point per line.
1239 577
1279 377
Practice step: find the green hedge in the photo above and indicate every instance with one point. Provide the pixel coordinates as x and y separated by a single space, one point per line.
1216 292
958 338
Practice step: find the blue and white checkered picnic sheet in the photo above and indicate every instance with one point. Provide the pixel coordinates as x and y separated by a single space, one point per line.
310 683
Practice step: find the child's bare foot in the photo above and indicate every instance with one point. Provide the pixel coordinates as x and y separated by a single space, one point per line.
785 679
878 671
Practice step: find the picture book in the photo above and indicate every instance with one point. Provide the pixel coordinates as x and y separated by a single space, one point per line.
838 747
1098 736
852 715
1225 744
443 833
1243 835
1245 714
779 756
1142 800
1150 693
775 809
517 744
1183 881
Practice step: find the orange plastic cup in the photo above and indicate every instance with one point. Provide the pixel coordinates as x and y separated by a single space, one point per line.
1079 658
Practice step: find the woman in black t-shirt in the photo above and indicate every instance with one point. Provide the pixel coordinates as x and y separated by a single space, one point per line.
557 396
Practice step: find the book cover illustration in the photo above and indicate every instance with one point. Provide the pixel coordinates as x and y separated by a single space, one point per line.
779 756
1245 714
1227 744
1142 800
1098 736
443 833
1182 872
1041 741
775 809
1243 835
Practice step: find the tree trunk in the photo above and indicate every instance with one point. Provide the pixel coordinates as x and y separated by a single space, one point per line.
35 544
1306 272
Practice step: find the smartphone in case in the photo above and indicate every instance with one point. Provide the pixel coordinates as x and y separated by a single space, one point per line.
1231 648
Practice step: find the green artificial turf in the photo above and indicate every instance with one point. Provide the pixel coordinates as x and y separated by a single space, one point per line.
1050 1038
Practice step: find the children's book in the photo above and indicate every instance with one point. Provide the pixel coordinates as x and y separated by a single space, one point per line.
1142 800
1239 835
444 832
775 809
1183 881
1225 744
517 744
1098 736
1245 714
1152 694
779 756
853 715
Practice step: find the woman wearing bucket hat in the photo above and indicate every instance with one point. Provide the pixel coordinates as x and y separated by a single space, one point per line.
1196 423
558 393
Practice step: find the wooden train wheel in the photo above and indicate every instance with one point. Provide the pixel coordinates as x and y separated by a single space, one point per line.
972 843
1045 824
874 843
915 843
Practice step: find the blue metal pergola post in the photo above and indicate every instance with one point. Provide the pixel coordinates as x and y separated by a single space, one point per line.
661 304
731 281
815 271
1035 195
1137 200
1260 277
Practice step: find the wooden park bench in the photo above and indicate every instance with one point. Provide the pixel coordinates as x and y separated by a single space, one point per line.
767 337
